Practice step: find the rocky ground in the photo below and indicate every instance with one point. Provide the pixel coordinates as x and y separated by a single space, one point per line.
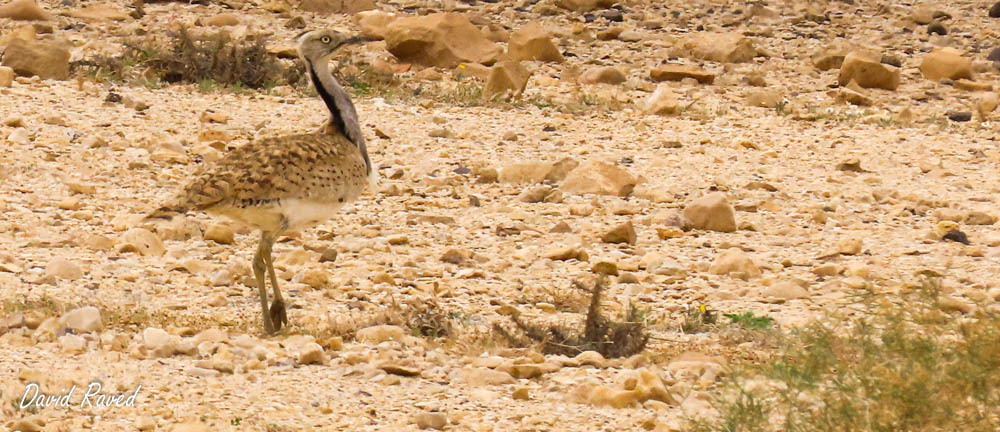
772 158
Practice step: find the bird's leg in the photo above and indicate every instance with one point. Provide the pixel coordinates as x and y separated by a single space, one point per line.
258 271
278 316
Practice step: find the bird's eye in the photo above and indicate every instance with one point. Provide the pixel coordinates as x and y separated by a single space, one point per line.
325 39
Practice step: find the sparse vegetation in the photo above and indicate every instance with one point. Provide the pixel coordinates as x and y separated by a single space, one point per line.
210 61
609 337
750 321
905 364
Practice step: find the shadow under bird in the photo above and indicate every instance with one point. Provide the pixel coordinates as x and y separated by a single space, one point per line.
290 182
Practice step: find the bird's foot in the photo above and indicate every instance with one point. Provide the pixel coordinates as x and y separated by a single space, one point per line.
268 325
277 313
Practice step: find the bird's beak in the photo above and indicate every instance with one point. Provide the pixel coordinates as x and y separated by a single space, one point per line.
358 39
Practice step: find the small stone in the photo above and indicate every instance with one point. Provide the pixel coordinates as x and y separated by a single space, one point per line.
945 63
315 278
510 136
521 393
142 241
563 253
222 20
785 290
24 10
312 353
72 344
220 233
731 47
158 342
441 40
849 246
960 116
381 333
677 72
400 370
598 178
526 371
37 58
63 269
956 236
145 423
624 233
995 10
481 377
605 268
662 101
192 426
431 420
590 358
711 212
83 320
6 76
938 28
602 75
532 42
980 218
506 78
26 425
736 263
868 71
453 256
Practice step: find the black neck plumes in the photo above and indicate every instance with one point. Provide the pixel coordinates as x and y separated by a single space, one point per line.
343 116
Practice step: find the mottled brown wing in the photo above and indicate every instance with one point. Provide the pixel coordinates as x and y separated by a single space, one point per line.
309 166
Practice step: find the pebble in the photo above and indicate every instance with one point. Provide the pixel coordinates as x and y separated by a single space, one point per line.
158 343
624 233
83 320
431 420
220 233
711 212
63 269
312 353
381 333
736 263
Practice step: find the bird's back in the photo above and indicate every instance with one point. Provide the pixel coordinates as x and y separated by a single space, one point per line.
282 182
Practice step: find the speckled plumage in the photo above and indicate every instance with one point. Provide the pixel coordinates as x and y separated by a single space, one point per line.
289 182
260 183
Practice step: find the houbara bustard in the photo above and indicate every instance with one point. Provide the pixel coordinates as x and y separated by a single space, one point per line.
290 182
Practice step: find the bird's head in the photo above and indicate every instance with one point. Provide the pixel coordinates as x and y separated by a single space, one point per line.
320 45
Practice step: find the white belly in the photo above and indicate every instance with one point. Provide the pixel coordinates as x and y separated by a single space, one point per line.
304 213
297 214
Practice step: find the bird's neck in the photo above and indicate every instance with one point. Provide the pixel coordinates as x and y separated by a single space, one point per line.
343 116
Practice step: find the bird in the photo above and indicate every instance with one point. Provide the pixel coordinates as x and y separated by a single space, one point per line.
287 183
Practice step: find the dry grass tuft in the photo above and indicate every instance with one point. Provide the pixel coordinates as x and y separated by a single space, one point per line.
214 60
611 338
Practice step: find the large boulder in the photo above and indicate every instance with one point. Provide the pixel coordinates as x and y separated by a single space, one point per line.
868 71
532 42
945 63
506 78
29 58
440 39
718 47
598 178
336 6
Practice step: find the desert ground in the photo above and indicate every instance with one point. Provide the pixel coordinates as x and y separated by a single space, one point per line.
783 161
